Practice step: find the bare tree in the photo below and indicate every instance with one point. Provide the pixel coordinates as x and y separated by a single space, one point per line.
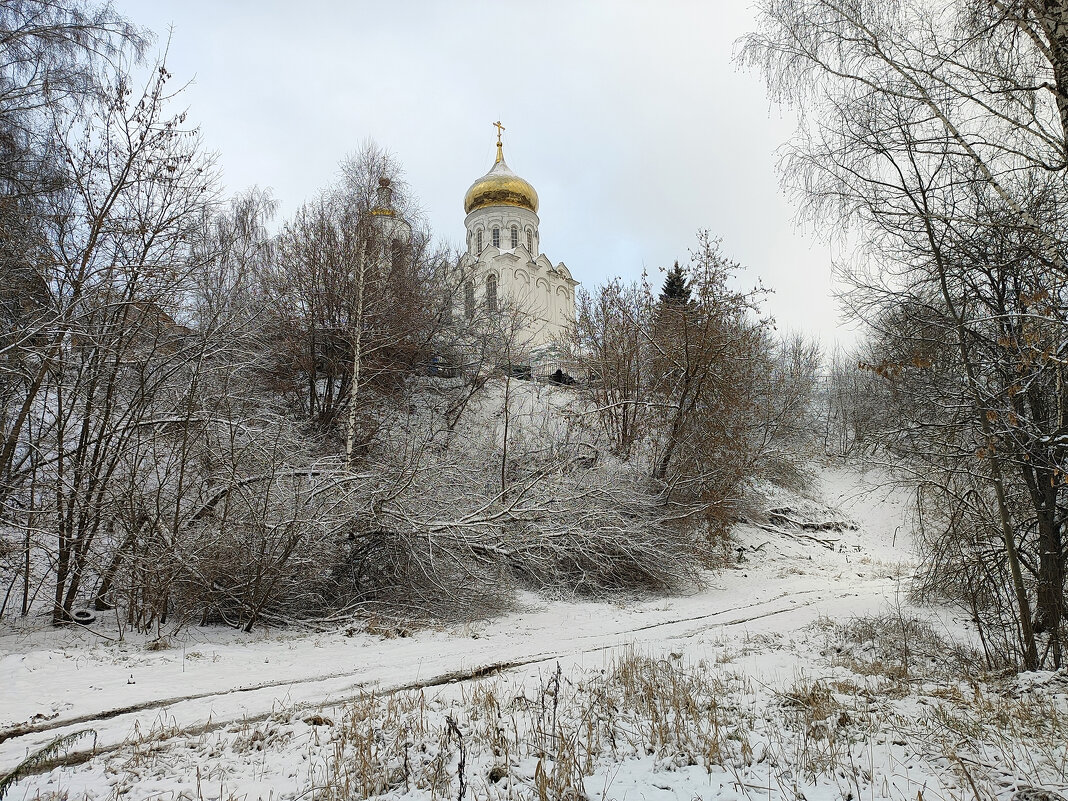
611 340
694 386
938 129
853 404
104 349
352 296
51 58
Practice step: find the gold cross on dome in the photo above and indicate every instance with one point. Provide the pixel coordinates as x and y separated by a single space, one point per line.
500 128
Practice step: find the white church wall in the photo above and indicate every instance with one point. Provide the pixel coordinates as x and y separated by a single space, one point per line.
502 217
523 274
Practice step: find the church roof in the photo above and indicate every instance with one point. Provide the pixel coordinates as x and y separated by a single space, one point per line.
500 187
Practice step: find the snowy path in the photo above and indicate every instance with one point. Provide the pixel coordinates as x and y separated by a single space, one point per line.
57 683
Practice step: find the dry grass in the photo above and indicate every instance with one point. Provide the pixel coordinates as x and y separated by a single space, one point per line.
900 646
538 744
864 731
992 734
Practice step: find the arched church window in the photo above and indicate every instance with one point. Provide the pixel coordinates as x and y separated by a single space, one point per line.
530 241
515 237
478 241
496 237
469 299
491 292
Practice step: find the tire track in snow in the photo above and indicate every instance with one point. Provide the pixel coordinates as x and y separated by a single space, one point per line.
161 704
713 614
156 703
28 739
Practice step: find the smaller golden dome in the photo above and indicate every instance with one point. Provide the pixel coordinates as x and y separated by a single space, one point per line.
500 187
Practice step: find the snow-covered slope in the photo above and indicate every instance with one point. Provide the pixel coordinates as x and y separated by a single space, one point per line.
763 624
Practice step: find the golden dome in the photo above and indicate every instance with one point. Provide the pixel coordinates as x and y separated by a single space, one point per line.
500 187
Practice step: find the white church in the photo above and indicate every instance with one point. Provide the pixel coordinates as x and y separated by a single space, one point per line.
504 262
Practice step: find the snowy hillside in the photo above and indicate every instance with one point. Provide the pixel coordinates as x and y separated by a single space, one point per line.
801 671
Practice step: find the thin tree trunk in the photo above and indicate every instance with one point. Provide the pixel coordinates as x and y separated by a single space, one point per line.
357 358
1027 635
504 445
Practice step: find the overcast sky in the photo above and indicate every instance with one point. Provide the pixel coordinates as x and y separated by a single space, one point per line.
630 119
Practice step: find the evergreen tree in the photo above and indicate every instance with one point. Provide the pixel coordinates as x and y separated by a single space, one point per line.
676 288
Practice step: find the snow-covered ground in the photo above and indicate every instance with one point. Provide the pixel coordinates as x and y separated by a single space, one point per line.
783 703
